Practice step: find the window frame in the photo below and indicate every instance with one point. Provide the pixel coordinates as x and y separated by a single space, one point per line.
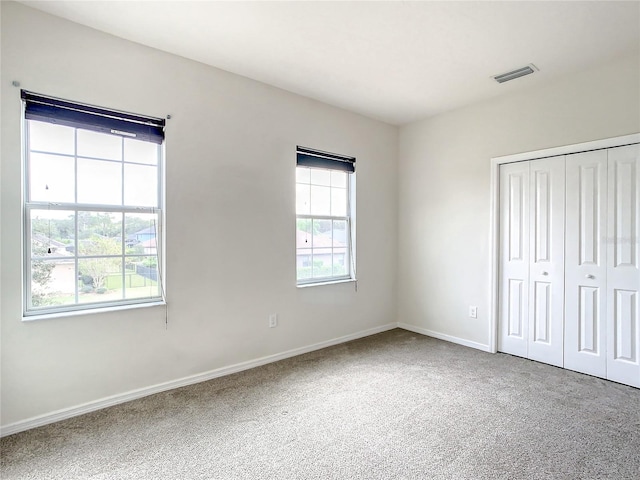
29 312
350 228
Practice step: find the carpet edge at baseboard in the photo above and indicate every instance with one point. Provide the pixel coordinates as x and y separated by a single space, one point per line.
70 412
445 337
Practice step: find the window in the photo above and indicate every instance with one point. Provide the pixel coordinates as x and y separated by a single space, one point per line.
325 187
93 204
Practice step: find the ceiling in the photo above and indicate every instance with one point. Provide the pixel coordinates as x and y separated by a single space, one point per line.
395 61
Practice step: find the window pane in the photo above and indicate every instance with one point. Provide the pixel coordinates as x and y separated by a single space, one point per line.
339 202
99 182
303 233
340 248
338 179
303 199
320 200
321 233
53 282
303 263
140 185
99 279
49 137
321 263
340 233
141 277
99 145
140 233
99 233
340 262
51 178
52 230
140 152
303 175
320 176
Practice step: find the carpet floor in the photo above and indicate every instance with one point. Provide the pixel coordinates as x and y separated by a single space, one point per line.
396 405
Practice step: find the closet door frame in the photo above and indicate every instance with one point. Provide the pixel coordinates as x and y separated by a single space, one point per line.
494 240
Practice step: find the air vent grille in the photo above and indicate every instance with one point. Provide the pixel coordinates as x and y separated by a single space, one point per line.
520 72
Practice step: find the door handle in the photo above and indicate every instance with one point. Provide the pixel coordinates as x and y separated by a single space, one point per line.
589 276
545 273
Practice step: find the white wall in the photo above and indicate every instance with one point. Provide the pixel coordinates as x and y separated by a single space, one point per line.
444 186
230 221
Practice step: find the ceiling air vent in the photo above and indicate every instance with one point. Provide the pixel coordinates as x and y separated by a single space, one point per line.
520 72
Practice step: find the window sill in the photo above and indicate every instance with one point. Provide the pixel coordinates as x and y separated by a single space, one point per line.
90 311
327 282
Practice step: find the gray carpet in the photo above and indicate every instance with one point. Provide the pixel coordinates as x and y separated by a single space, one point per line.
392 406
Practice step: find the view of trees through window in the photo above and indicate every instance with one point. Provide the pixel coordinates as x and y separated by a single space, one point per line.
92 218
329 255
322 224
113 257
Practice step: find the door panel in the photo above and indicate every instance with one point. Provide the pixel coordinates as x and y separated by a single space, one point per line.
514 259
623 272
589 319
516 317
624 325
585 263
589 206
546 271
542 313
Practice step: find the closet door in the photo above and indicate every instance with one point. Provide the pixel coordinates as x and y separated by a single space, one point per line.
585 263
623 266
546 260
514 258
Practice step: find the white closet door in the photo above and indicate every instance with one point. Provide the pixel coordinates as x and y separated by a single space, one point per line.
623 266
514 258
585 263
546 260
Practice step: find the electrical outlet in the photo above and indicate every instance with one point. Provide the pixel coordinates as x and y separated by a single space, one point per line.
473 312
273 320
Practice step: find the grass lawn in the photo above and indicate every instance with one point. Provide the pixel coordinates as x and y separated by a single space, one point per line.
136 286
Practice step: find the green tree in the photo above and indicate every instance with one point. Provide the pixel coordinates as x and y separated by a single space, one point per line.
319 226
104 225
60 229
100 268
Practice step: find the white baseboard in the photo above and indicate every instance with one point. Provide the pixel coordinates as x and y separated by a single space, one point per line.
66 413
442 336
